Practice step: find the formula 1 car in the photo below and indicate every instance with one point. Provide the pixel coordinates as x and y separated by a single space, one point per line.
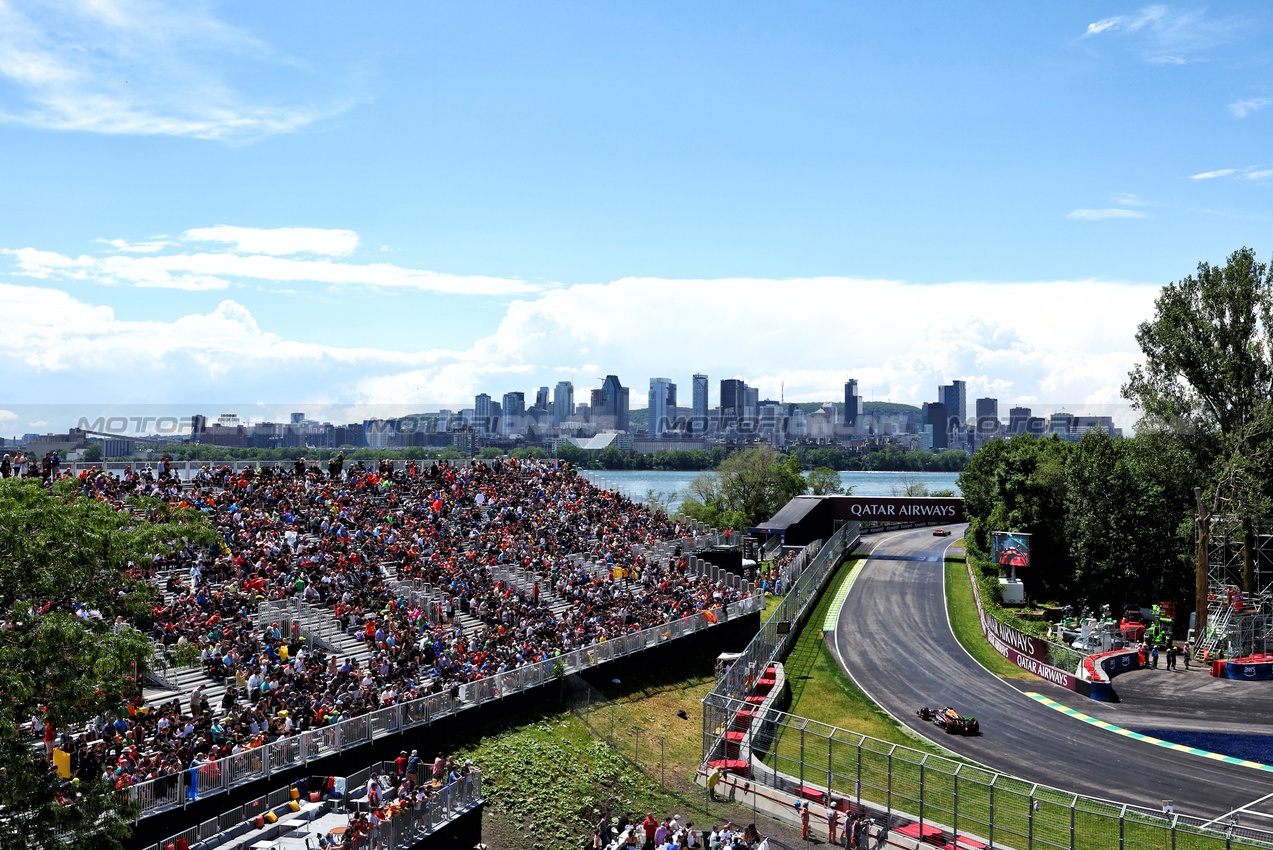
940 532
950 720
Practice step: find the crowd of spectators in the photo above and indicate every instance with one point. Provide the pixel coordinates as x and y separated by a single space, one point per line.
672 833
339 539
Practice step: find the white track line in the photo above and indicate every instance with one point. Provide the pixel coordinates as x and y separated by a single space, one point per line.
1243 810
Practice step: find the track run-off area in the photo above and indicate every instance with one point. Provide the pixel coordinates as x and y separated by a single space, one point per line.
894 640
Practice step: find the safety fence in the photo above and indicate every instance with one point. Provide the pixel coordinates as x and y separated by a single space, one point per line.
402 830
644 750
777 633
899 786
216 777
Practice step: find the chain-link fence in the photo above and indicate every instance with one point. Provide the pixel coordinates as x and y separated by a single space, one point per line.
901 787
778 632
646 751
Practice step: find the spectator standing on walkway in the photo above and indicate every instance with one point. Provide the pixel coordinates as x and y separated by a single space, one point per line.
1186 653
833 821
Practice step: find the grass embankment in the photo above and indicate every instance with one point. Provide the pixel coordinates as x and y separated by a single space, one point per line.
549 777
821 691
961 605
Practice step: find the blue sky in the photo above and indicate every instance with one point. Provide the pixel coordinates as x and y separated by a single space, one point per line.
216 203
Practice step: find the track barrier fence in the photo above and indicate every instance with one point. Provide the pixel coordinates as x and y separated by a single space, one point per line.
807 760
645 750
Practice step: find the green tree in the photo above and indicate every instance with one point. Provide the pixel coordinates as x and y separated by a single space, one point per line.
61 551
1208 355
746 489
824 481
572 454
490 452
93 453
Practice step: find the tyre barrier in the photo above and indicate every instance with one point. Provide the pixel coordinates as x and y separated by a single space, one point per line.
1099 669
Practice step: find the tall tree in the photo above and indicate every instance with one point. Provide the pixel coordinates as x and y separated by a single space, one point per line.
1208 355
64 577
1208 373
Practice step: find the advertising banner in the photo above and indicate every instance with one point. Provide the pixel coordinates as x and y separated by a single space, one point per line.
1028 653
1249 672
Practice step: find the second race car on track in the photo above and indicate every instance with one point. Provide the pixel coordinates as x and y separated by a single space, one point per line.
950 720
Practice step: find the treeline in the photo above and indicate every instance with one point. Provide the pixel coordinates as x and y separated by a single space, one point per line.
1117 520
1110 519
888 459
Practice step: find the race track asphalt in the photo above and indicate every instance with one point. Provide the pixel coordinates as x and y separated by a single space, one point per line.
893 638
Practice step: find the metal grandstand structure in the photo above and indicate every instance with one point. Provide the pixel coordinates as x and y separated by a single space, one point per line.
1239 606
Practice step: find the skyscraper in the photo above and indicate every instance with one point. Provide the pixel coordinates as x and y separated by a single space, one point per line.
955 396
852 404
987 419
541 398
751 403
1018 417
614 405
662 409
563 402
939 420
699 423
733 401
514 413
482 412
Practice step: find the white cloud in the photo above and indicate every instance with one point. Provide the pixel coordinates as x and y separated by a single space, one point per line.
1208 175
277 240
149 247
1101 26
1258 175
1129 200
221 270
994 336
1097 215
1243 108
1165 36
7 416
147 68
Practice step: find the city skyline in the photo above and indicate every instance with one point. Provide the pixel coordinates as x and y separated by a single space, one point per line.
904 198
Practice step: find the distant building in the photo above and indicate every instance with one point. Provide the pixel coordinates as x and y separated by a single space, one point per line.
987 419
610 404
513 414
698 420
852 405
939 421
955 396
541 399
1017 419
662 406
733 401
297 418
751 403
482 413
563 402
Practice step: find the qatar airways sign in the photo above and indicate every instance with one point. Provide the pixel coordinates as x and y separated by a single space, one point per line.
897 508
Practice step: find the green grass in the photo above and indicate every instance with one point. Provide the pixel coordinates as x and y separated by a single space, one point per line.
821 691
962 607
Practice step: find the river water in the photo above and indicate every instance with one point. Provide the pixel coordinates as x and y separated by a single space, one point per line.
637 483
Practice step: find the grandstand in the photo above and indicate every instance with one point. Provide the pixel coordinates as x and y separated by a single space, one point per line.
339 608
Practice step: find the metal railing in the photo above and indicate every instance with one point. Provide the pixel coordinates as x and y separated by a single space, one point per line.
216 777
780 630
403 829
900 786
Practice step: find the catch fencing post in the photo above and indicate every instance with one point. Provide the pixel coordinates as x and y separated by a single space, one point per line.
806 723
954 808
1122 819
992 809
921 795
889 799
1030 820
1074 805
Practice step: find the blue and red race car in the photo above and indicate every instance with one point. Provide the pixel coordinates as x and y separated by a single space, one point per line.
950 720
